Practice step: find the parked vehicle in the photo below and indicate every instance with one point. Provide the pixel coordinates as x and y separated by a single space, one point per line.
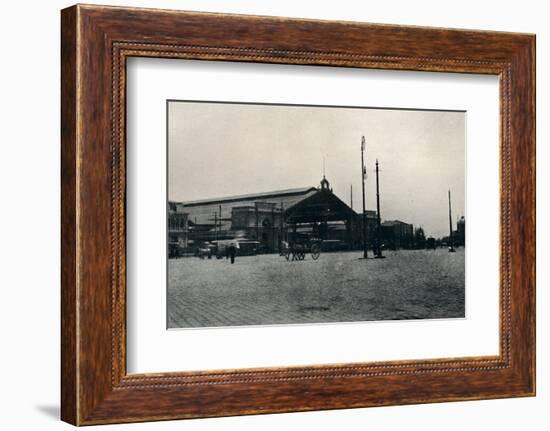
248 248
205 249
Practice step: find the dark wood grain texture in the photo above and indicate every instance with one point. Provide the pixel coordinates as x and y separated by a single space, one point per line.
68 218
96 41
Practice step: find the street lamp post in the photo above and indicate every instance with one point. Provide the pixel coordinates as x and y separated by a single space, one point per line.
363 175
378 218
451 248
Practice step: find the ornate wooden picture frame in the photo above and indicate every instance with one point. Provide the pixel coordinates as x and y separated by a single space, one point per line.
96 41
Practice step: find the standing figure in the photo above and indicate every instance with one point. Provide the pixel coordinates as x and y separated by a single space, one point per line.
232 252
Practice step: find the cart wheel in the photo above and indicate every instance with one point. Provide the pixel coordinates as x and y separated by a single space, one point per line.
315 252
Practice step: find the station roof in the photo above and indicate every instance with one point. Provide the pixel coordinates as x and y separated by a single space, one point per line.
202 211
264 196
395 223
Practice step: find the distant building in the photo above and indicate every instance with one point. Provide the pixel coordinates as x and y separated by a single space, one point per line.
397 234
460 233
178 228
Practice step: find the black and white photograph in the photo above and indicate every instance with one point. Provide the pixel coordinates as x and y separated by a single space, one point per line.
300 214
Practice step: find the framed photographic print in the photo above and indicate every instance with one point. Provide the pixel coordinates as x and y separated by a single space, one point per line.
268 215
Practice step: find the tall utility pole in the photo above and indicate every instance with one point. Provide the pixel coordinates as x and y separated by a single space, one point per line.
256 220
378 218
451 248
281 224
363 175
350 223
216 226
220 219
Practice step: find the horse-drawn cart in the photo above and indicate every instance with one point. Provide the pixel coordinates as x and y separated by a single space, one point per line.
297 250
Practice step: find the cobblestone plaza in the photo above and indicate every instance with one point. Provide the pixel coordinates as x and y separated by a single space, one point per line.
338 287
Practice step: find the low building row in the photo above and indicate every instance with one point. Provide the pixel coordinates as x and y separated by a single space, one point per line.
266 220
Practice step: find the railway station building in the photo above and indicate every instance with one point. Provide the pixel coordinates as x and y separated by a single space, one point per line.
270 218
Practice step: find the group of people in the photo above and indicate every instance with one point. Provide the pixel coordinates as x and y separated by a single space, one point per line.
230 252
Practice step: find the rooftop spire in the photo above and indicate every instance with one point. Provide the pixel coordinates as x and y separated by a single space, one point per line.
325 185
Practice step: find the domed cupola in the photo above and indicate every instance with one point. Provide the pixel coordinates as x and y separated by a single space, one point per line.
325 185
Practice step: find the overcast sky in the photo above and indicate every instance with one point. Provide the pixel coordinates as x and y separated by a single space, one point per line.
218 150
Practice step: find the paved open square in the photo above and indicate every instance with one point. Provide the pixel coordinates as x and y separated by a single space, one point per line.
338 287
